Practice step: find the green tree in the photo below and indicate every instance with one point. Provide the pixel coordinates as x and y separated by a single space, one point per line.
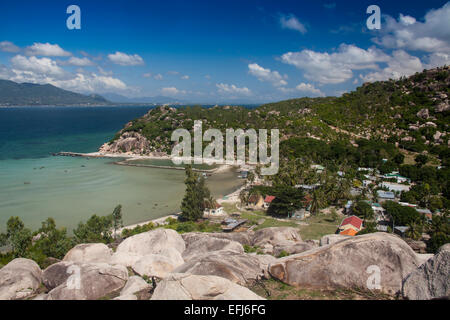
421 160
96 229
318 201
402 215
17 237
415 230
287 200
117 218
193 204
363 210
53 242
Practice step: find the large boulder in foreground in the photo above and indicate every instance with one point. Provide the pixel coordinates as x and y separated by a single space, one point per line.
350 264
244 238
87 253
134 285
132 249
431 280
276 236
193 287
86 281
19 279
156 265
210 244
237 267
332 238
293 248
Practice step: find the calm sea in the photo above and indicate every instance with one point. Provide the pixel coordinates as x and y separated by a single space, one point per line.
35 185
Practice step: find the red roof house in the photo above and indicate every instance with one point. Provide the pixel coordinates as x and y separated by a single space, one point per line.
351 222
269 199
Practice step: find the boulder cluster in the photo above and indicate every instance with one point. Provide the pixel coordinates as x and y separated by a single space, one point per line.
164 265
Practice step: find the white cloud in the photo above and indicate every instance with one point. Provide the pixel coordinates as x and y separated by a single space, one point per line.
232 89
291 22
42 67
432 35
104 72
438 60
91 83
124 59
336 67
45 70
407 20
186 77
147 75
309 88
8 46
79 62
266 75
46 49
158 76
172 91
400 64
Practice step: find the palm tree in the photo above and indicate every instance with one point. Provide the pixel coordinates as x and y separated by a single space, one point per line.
414 230
318 201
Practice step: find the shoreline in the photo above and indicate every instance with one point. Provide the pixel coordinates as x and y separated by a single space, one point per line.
132 157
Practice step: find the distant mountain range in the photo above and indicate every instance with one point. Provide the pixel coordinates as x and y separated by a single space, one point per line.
117 98
30 94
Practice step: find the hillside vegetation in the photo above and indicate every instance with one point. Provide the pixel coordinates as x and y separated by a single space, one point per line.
409 113
29 94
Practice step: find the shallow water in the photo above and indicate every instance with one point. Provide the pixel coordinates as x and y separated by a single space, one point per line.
35 186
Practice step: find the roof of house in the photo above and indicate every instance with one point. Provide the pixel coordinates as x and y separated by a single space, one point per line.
354 221
349 232
423 211
254 198
386 194
269 199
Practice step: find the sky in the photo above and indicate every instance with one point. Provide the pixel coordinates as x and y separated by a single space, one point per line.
214 51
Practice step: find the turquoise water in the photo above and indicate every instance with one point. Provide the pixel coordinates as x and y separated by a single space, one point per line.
35 185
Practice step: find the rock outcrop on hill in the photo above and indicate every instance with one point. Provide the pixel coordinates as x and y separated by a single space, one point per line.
431 280
19 279
348 264
237 267
193 287
128 143
134 248
90 281
86 253
215 266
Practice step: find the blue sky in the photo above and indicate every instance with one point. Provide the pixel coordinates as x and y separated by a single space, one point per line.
220 51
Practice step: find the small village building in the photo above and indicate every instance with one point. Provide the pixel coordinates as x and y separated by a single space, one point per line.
401 230
348 207
406 204
384 196
427 213
268 200
397 176
352 222
256 201
396 187
243 174
348 232
216 211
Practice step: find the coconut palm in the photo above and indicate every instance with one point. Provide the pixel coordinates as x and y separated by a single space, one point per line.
318 201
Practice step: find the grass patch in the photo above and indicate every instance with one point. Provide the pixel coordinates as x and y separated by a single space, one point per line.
276 290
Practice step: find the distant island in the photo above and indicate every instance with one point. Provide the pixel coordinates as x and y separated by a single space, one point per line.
30 94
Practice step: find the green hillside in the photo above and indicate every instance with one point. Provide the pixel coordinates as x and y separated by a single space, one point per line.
28 94
410 113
